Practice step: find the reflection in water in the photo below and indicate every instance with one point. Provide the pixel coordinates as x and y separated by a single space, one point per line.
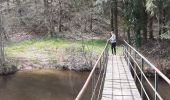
163 89
42 85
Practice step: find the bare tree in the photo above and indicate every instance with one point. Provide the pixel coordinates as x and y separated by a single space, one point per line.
2 56
60 15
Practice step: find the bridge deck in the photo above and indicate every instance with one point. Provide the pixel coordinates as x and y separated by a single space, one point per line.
119 83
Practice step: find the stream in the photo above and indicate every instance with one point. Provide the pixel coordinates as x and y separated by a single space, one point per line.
42 85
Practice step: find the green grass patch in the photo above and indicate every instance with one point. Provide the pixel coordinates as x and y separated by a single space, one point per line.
53 43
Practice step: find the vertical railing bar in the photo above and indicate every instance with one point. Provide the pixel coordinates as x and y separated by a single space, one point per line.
104 64
100 65
104 72
125 54
150 64
92 86
97 81
140 83
135 68
130 50
157 95
156 85
123 50
92 76
153 88
142 67
128 57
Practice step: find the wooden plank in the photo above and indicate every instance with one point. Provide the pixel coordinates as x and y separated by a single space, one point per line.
119 83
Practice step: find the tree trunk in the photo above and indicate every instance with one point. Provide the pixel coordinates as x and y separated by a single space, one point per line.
128 35
36 8
151 28
164 21
115 19
91 15
91 21
48 17
60 15
2 56
85 24
18 2
8 5
51 19
160 9
145 22
111 16
138 34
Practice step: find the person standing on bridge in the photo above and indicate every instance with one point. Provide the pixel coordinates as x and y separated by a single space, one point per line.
113 42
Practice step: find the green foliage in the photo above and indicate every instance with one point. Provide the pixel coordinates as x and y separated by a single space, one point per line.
165 35
133 14
155 6
150 7
81 4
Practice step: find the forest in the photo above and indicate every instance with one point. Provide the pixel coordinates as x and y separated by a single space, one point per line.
143 23
38 36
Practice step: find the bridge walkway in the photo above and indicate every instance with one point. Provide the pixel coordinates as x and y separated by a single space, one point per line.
119 83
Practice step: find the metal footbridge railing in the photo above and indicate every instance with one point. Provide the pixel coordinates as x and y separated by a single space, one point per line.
137 62
96 77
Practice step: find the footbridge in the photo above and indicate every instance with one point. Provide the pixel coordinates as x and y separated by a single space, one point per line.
123 77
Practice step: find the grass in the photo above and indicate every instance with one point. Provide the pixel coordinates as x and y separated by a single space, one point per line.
53 43
36 43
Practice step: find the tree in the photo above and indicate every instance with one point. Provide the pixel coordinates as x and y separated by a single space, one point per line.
2 55
151 27
111 16
144 18
60 15
158 8
127 18
91 15
132 18
48 16
115 18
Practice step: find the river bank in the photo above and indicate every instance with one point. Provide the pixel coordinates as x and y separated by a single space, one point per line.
51 53
61 58
159 54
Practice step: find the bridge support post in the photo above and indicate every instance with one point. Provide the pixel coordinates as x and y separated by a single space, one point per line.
93 86
127 56
156 85
142 66
135 69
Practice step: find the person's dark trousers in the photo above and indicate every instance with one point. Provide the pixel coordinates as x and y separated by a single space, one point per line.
113 46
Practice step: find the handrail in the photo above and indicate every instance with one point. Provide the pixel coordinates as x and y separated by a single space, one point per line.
156 69
104 53
127 53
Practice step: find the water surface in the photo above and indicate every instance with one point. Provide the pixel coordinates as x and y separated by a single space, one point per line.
42 85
